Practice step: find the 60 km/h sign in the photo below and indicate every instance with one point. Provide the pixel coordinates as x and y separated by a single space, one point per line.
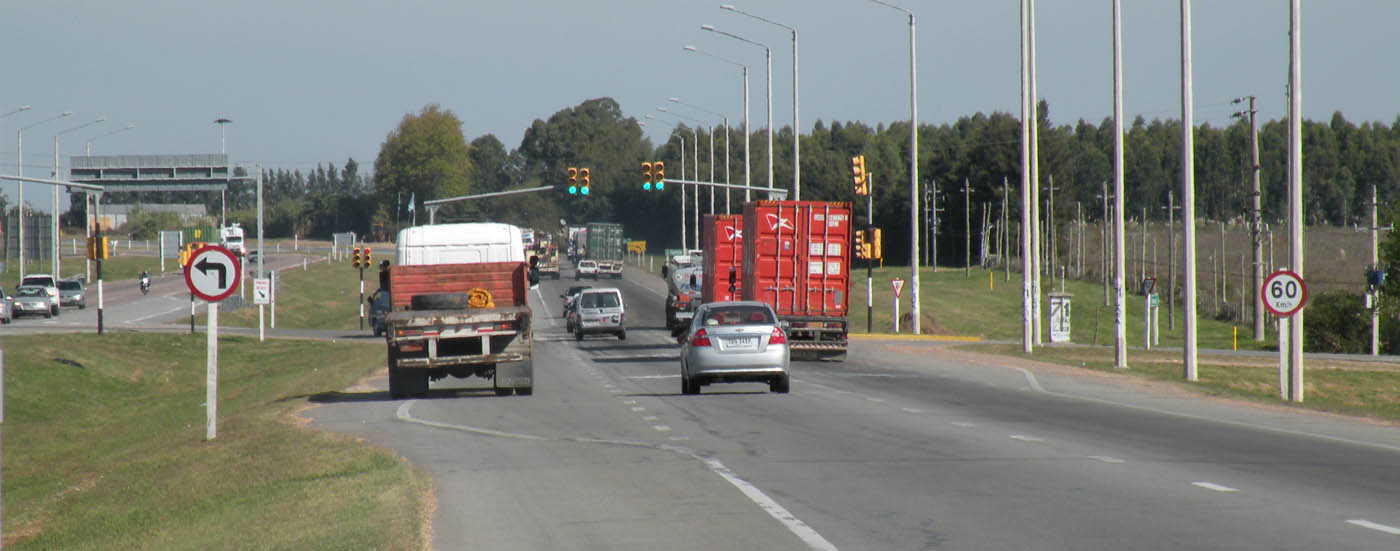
212 273
1284 293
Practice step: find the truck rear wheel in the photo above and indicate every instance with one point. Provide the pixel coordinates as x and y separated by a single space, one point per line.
406 382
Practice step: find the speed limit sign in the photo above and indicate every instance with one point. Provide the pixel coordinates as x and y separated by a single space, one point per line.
1284 293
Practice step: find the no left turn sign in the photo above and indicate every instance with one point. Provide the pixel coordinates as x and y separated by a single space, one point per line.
1284 293
212 273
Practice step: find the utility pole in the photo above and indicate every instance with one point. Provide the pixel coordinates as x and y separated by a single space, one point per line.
1375 290
1104 247
967 229
1256 229
1171 262
1005 235
934 244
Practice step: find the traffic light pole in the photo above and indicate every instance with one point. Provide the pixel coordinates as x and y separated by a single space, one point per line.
870 258
362 297
773 193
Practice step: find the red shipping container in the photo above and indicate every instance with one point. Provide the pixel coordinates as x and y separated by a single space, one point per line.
797 259
721 237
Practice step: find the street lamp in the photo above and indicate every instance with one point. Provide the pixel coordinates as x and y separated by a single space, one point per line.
796 128
913 168
768 56
221 121
747 182
19 139
682 155
712 153
54 175
696 171
88 197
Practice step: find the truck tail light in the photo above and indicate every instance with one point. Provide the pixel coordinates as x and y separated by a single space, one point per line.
408 332
777 337
700 339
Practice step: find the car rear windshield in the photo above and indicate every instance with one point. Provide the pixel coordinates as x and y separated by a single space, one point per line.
739 315
70 286
600 300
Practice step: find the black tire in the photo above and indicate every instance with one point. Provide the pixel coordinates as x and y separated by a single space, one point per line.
556 276
780 385
439 301
689 387
82 306
578 335
406 382
525 391
504 391
48 315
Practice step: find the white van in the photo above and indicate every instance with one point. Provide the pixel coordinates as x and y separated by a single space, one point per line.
599 311
459 244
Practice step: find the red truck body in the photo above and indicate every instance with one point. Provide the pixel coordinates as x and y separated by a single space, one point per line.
504 280
721 237
797 259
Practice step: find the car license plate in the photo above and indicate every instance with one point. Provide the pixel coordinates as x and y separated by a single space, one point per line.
743 342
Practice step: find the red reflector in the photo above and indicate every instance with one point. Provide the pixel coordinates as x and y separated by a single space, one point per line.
700 339
777 337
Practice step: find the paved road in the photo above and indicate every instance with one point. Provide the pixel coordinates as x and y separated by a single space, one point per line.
905 446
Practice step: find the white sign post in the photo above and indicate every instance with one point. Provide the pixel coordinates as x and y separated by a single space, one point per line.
212 273
898 285
262 294
1284 293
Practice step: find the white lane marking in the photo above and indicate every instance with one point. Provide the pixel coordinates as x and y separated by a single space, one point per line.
795 525
1025 438
638 409
911 410
1374 445
1375 526
963 424
1106 459
650 418
629 402
1214 487
679 438
662 428
874 399
639 377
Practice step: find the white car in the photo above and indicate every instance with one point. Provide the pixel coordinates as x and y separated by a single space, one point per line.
586 268
50 286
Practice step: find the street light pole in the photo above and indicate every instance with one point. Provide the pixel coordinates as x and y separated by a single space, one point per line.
19 139
913 169
747 182
88 197
768 55
55 264
695 171
796 127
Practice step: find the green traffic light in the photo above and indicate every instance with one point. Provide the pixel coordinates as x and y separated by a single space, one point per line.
573 190
660 186
646 186
583 190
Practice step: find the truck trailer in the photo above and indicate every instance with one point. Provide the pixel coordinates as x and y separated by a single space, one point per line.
797 258
606 247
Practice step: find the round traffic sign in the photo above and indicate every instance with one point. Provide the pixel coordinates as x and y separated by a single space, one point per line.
1284 293
212 273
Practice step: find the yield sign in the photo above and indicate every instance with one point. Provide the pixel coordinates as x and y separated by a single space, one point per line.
212 273
898 285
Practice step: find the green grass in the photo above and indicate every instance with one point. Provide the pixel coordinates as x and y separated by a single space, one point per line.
956 304
105 449
323 296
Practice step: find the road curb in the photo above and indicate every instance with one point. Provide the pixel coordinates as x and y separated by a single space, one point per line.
927 338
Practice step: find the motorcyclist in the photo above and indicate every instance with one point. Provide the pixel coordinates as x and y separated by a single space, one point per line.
145 280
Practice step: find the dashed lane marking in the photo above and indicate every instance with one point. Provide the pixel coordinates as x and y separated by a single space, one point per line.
1214 487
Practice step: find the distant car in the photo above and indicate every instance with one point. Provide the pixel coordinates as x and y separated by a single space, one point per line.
570 299
599 311
378 308
586 268
32 299
50 288
7 307
72 293
733 342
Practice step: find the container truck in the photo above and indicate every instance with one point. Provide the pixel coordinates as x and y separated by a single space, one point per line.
722 259
796 258
606 247
458 307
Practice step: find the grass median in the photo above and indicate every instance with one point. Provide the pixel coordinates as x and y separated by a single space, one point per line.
105 448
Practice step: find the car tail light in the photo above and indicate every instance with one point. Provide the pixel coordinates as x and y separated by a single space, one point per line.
700 339
777 337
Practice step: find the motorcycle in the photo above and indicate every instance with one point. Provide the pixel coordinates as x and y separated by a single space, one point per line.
145 284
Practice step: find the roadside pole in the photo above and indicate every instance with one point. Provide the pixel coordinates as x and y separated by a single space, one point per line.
211 375
212 273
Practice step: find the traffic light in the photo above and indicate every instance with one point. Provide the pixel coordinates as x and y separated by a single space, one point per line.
875 246
364 260
355 258
573 181
658 175
97 248
646 176
858 175
583 175
861 246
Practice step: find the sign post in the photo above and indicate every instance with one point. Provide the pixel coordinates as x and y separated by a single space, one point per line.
1284 293
262 294
212 273
898 285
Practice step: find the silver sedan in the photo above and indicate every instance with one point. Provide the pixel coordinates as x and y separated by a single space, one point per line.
733 342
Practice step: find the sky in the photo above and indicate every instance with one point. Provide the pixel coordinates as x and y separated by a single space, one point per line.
316 81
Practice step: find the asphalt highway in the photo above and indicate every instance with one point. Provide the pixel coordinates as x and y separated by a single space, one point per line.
907 445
